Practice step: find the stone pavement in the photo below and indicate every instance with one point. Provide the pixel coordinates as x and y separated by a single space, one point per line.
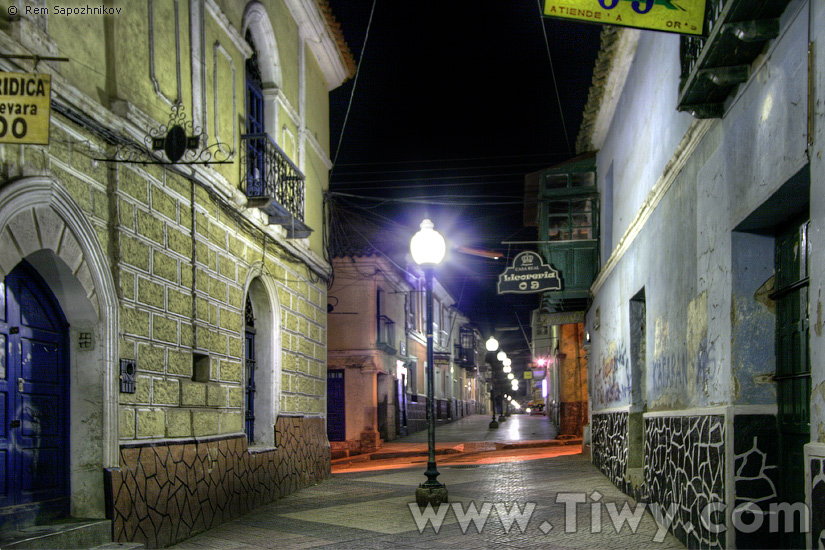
468 440
558 502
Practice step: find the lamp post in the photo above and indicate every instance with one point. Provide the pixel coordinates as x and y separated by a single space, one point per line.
492 345
428 248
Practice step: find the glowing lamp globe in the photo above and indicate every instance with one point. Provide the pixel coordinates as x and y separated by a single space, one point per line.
507 362
511 376
507 368
491 344
501 356
428 246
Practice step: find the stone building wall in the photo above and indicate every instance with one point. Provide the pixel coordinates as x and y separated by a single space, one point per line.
152 264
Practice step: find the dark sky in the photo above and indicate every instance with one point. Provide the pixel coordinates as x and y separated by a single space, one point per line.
453 104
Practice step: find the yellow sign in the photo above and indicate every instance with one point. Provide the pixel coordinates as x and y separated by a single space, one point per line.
528 374
679 16
25 108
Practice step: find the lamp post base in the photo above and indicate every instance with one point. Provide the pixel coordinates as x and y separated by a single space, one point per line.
493 424
502 418
430 495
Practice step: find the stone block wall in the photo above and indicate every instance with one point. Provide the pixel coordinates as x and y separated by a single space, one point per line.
169 491
182 260
180 257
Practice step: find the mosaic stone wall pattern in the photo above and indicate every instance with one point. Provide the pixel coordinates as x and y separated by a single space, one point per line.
685 466
166 492
817 502
609 446
756 473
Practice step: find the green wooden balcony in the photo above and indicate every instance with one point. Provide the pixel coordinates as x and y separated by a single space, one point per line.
568 221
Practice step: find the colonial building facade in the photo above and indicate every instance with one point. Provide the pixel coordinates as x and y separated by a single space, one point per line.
377 354
705 370
164 300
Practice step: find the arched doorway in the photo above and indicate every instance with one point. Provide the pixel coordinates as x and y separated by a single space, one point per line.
43 225
262 353
34 407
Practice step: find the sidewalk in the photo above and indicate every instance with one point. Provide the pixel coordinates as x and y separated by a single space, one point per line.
559 502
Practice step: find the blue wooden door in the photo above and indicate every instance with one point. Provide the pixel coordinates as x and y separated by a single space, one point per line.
33 397
336 415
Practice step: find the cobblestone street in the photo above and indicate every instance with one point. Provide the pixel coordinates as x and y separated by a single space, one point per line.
556 502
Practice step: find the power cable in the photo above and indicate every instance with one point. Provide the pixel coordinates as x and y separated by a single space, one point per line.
354 84
553 74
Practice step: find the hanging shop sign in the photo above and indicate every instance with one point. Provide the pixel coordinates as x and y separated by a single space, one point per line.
528 274
25 108
679 16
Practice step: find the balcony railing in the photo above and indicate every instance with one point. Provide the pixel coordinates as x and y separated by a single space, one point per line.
274 184
386 335
715 64
468 348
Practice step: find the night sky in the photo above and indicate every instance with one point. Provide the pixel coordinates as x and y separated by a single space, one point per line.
453 104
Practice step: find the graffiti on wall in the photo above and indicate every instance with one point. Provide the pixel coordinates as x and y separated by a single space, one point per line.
678 378
611 377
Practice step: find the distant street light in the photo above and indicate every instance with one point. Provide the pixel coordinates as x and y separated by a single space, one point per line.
491 344
501 356
428 248
507 362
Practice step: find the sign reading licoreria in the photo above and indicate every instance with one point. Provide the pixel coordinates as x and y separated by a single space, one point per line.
25 108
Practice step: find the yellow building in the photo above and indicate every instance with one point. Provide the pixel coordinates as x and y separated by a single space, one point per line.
164 299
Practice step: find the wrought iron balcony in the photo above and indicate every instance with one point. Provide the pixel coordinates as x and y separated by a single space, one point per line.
386 335
274 184
467 348
713 66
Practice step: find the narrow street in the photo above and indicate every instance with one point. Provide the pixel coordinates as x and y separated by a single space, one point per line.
524 488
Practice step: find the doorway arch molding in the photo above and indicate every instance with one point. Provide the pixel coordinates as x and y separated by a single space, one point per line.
41 222
262 290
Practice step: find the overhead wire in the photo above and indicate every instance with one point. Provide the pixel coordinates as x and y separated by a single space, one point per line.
553 74
429 200
354 84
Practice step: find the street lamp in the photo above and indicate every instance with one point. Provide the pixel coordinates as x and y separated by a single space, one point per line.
428 248
501 356
491 344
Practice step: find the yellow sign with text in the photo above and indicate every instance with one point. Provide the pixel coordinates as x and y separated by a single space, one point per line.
679 16
25 108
